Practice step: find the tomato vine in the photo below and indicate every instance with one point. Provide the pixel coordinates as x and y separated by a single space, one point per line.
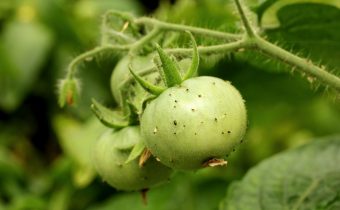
250 40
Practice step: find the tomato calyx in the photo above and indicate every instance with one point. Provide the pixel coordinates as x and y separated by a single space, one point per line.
113 118
169 70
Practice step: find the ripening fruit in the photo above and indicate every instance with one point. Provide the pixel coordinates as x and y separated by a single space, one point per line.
121 73
110 155
187 125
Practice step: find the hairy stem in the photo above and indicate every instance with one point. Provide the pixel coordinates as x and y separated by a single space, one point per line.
245 21
144 40
213 49
192 29
72 66
304 65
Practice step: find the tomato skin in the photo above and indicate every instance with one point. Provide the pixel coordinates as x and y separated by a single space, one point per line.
185 126
121 73
110 153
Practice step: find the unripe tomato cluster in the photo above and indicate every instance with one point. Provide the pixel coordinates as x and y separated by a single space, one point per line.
111 152
188 125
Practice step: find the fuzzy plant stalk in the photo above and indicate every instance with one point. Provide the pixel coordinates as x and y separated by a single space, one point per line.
228 42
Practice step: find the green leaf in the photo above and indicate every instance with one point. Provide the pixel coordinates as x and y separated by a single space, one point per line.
23 49
303 178
110 118
156 90
171 72
185 191
310 28
136 151
267 10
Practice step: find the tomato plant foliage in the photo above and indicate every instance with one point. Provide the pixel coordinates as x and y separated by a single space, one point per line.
149 80
303 178
186 120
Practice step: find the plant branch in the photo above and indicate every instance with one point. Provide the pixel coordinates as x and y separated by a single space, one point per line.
306 66
72 66
192 29
145 39
221 48
245 21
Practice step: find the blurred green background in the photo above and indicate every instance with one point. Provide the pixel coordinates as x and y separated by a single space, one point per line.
45 150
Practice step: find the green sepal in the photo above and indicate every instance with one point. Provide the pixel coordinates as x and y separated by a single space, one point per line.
133 113
195 59
136 151
68 90
170 69
110 118
153 89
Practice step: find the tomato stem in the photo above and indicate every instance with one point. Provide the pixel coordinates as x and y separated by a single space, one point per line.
72 67
213 49
305 65
240 8
192 29
144 40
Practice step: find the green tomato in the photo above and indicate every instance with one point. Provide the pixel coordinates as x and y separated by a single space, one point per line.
190 124
121 73
110 155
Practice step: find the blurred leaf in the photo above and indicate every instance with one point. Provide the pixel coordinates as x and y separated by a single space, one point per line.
23 49
93 8
9 166
221 15
28 202
77 140
304 178
5 7
186 191
60 199
267 9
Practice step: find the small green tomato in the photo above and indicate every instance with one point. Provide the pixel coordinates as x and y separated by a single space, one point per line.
121 73
190 124
110 155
